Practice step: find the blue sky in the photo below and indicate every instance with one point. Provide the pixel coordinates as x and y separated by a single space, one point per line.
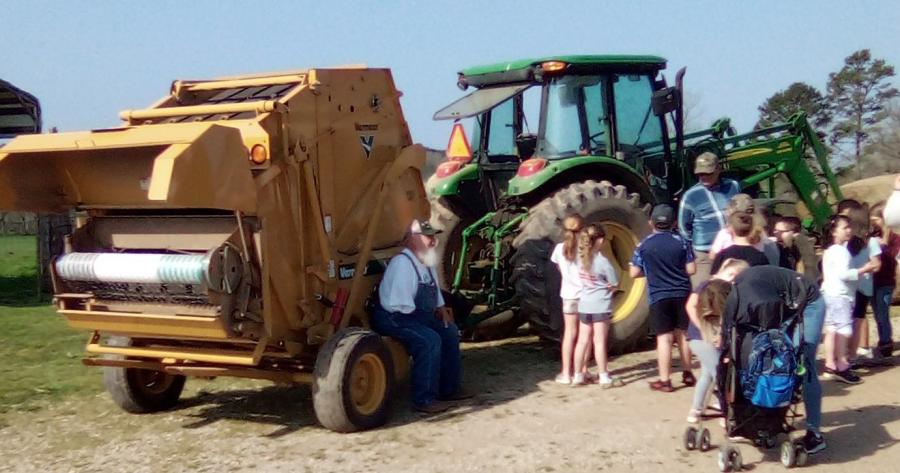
88 60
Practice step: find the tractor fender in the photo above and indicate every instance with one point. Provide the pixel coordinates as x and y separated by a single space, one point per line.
558 174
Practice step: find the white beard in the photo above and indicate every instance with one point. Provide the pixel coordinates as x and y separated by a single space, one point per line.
428 257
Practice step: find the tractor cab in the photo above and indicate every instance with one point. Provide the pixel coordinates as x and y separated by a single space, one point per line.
526 116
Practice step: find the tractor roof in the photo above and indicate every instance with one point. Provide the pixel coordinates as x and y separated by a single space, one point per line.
523 69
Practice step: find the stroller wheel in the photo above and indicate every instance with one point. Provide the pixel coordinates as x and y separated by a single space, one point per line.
802 456
690 438
704 443
729 459
788 454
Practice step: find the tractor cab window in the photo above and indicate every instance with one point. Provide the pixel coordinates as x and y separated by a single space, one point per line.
637 129
575 118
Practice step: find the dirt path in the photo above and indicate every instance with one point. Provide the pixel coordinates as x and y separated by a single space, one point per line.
520 421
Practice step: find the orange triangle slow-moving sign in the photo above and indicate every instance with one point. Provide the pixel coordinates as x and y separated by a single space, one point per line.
458 148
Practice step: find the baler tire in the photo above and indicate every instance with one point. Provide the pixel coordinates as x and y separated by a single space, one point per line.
537 279
354 361
140 391
452 224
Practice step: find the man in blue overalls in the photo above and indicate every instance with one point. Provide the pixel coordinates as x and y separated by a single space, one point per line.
412 311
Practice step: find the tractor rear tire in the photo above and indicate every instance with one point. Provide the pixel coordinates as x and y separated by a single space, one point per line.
353 381
449 245
537 279
140 391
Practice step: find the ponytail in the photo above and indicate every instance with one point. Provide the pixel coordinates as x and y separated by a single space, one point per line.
586 247
571 226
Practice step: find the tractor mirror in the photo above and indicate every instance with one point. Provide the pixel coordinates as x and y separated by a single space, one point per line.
664 101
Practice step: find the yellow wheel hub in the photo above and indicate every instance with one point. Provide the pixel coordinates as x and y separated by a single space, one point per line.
368 383
618 247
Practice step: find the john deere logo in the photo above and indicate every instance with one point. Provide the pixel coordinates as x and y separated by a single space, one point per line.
367 141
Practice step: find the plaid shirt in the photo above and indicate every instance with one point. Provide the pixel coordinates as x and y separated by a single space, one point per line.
701 213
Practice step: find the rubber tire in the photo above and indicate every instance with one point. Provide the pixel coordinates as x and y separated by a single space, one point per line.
704 440
125 388
723 460
452 224
788 454
331 395
737 460
690 438
537 279
802 457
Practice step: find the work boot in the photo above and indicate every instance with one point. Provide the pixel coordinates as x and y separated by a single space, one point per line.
461 394
435 407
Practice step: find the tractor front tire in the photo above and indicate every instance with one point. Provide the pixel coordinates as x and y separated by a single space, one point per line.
140 391
537 279
353 381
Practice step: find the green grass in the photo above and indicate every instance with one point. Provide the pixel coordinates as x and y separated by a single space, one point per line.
40 356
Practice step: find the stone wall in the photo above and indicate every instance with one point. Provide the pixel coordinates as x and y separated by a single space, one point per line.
18 223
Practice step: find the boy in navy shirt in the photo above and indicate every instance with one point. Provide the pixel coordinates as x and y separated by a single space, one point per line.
667 261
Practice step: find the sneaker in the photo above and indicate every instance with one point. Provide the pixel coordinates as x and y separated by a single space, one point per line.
847 376
578 379
563 379
864 352
813 442
607 382
662 386
828 373
433 408
688 378
693 416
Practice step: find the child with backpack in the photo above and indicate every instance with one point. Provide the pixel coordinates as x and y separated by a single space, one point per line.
705 307
565 256
839 286
598 283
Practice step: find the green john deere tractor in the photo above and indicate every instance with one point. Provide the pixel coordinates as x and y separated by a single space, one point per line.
601 136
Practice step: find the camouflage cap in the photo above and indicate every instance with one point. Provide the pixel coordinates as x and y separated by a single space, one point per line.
706 163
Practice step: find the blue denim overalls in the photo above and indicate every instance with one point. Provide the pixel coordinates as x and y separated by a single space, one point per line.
434 348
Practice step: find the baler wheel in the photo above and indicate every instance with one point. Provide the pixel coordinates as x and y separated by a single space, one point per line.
353 381
140 391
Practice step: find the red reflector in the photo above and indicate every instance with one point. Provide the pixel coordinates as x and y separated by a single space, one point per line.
531 166
447 168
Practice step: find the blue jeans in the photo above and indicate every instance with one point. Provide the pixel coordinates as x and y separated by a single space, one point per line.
813 320
436 368
881 307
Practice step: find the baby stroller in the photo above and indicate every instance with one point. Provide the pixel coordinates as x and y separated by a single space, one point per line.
759 378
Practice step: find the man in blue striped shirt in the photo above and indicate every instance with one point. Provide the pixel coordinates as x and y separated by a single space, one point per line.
701 213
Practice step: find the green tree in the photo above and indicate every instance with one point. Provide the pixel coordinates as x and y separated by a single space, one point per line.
797 97
858 95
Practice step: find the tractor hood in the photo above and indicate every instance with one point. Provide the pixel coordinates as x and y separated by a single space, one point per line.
194 165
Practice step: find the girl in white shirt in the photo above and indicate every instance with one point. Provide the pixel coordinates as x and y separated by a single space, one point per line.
565 256
598 284
839 286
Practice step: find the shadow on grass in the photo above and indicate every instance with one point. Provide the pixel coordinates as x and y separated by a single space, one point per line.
20 291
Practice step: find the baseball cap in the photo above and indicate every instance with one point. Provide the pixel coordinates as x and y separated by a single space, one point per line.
662 216
422 228
706 163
